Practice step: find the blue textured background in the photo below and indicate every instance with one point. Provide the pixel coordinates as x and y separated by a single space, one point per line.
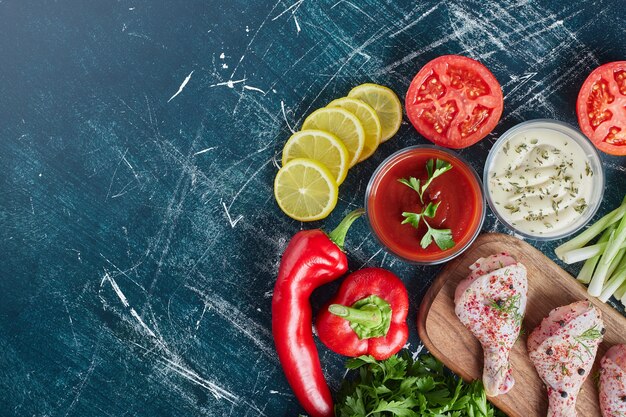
139 238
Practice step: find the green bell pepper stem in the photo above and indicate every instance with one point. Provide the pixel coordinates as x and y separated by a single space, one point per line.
339 234
369 315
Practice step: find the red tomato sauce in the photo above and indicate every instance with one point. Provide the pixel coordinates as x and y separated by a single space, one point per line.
461 209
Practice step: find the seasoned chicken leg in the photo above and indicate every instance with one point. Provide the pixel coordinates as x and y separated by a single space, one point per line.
563 348
491 303
613 382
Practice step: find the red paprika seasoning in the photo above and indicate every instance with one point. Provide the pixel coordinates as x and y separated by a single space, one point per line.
312 258
367 316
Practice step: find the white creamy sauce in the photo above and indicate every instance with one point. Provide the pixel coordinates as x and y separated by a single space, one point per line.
541 181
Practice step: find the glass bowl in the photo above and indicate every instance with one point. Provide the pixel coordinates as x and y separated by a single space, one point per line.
386 199
567 132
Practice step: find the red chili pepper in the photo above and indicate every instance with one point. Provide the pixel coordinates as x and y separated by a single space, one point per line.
367 316
311 259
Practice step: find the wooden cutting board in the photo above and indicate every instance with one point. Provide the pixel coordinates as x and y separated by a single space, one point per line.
549 287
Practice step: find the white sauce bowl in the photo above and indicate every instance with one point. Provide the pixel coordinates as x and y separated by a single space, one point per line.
544 179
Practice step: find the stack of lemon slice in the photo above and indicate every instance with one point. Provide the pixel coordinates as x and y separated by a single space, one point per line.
332 140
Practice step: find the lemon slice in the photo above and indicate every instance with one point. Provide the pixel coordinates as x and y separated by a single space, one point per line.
385 102
305 190
368 118
341 123
321 146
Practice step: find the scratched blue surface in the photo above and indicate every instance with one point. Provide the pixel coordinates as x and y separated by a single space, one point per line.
139 237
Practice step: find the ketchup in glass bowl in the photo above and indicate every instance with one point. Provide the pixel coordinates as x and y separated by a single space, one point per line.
425 204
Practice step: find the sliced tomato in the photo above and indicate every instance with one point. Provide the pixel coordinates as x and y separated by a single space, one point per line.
601 107
454 101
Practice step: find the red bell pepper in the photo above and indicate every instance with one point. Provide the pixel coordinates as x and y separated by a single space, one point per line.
367 316
311 259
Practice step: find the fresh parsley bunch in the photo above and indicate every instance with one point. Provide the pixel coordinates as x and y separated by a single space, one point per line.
402 386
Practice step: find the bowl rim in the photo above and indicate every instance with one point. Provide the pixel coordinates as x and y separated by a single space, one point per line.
453 154
588 148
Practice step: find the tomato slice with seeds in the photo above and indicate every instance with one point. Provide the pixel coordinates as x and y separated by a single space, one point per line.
454 101
601 107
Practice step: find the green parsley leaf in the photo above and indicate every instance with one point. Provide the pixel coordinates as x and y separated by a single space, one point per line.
414 184
413 218
356 363
431 209
442 237
440 167
427 239
397 408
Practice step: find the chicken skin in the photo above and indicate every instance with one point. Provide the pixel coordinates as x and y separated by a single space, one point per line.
491 303
613 382
563 348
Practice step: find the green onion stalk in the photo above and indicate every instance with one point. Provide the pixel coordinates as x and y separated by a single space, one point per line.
616 281
591 232
613 246
586 272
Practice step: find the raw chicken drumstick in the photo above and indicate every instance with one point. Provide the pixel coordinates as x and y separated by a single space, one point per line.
613 382
563 348
491 303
